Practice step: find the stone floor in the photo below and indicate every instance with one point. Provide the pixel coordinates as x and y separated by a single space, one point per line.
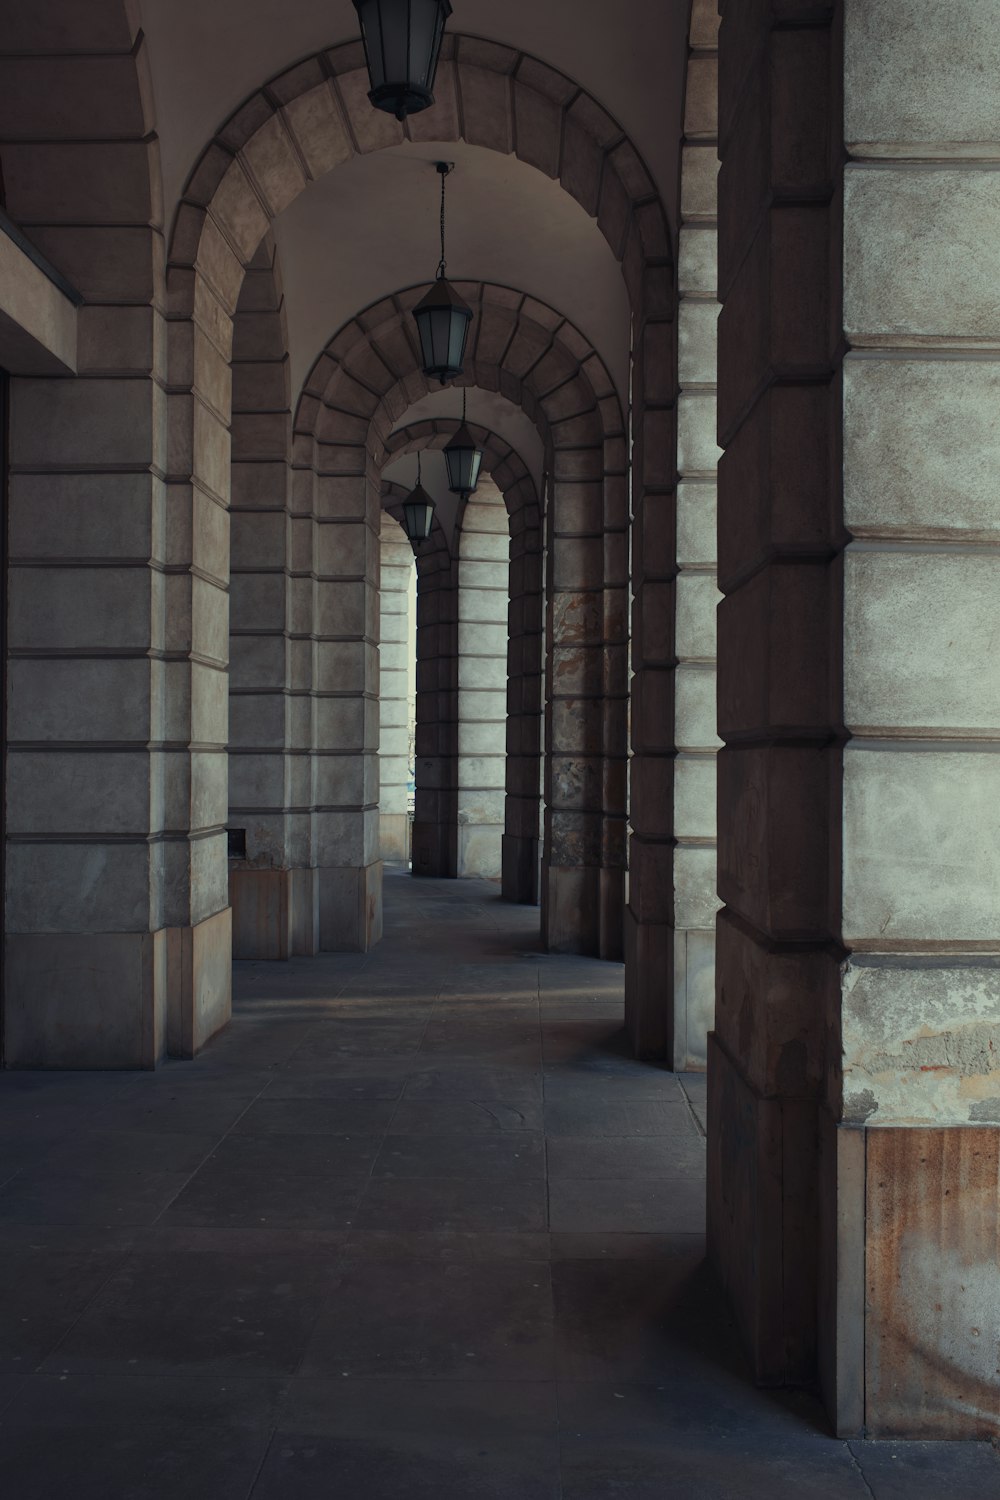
414 1228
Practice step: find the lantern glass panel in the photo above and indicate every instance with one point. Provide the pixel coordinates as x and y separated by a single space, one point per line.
402 44
418 519
463 460
443 327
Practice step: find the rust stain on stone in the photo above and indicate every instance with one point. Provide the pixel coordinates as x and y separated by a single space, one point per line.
933 1282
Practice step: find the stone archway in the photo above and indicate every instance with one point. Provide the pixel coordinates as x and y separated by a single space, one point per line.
361 385
96 779
520 878
301 126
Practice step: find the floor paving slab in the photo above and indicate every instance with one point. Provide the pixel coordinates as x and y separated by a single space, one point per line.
414 1227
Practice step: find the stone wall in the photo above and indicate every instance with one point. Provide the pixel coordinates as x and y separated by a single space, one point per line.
268 716
483 597
921 802
117 940
854 1163
695 858
395 587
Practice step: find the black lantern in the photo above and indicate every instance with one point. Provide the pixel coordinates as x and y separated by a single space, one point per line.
402 44
418 511
463 459
442 317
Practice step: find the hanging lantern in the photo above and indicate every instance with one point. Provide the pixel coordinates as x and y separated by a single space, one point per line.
442 317
463 459
402 44
418 511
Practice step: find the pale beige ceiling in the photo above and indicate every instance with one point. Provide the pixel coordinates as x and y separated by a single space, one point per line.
371 228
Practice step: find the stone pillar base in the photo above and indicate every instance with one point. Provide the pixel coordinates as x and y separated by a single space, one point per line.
275 913
519 870
434 850
79 1000
842 1275
694 998
763 1203
394 838
932 1281
350 908
582 910
649 1011
571 910
480 851
305 914
612 908
199 982
261 902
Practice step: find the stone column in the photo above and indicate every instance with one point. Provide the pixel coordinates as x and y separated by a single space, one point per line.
915 1137
773 1057
261 709
695 856
396 577
483 598
94 811
345 683
435 824
854 1158
586 687
521 846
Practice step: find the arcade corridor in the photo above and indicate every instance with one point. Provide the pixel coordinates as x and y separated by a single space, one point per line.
448 1247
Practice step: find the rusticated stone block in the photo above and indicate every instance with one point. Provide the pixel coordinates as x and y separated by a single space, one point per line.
776 1009
486 108
778 489
778 649
779 319
774 838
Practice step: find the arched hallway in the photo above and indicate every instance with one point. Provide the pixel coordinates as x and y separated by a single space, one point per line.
414 1225
691 643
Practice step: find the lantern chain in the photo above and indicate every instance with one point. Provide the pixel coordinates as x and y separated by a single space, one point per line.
444 167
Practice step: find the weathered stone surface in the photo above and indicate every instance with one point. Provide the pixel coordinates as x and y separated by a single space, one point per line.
919 643
699 174
694 796
932 1283
920 260
84 1000
919 1039
696 708
921 73
697 342
921 846
698 451
697 523
898 480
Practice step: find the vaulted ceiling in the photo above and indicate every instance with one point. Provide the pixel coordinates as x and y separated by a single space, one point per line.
370 227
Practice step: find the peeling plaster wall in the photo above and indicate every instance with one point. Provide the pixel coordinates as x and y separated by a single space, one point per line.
920 1040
